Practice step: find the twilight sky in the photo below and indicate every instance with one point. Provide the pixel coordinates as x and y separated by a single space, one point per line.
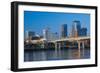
37 21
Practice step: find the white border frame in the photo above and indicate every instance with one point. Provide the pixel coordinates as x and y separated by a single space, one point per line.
22 64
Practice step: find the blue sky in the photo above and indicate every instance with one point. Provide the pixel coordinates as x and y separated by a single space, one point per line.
37 21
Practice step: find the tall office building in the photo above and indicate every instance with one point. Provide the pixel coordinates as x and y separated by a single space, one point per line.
49 36
46 34
83 31
53 36
64 31
29 34
76 27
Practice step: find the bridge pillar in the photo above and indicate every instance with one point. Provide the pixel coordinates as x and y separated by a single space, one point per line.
43 44
79 44
83 46
63 44
56 48
59 44
55 45
79 50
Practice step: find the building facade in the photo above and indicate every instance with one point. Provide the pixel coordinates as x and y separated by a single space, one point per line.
29 34
64 31
76 27
46 34
77 30
83 32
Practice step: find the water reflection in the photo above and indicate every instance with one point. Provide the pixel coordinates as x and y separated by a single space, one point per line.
56 54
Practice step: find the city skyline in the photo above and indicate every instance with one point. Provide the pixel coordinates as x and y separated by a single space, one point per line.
37 21
46 36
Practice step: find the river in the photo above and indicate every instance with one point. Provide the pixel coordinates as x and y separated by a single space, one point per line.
56 54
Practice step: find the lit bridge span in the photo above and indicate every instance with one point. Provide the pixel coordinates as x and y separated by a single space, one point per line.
63 42
71 39
81 41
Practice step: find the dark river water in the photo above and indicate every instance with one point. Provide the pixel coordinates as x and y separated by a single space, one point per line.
56 54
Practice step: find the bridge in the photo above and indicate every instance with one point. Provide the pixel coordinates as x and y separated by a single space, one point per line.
81 41
60 43
71 39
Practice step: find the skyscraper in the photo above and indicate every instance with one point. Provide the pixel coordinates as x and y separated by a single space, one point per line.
64 31
53 36
83 31
46 33
76 27
29 34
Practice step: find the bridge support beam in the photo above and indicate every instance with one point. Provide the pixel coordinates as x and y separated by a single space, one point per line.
43 44
83 46
56 45
79 49
59 44
79 45
63 44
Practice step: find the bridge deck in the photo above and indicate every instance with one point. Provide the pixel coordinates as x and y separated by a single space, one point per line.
71 39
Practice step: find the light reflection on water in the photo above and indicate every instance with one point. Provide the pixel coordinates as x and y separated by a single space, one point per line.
59 54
